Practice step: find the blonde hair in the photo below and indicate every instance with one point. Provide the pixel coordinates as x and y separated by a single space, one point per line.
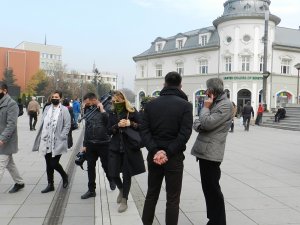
120 97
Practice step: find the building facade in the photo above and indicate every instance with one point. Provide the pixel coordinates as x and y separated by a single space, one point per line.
50 56
233 50
105 77
23 63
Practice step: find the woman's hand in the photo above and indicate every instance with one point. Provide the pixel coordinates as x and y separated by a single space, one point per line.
122 123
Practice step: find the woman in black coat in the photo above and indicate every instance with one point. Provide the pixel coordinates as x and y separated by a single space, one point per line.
124 157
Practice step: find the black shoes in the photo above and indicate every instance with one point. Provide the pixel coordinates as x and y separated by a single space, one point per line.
88 194
112 185
16 188
65 181
49 188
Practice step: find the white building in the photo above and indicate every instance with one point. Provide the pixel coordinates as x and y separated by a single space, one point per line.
232 50
105 77
50 55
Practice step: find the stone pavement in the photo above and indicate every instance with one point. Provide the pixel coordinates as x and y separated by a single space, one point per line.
260 182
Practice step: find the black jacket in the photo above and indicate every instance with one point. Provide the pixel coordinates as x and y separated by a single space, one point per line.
167 122
248 110
96 128
132 160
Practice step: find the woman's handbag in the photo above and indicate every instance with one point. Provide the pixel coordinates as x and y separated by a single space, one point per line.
132 138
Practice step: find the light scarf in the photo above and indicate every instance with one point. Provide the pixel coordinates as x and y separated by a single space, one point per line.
47 144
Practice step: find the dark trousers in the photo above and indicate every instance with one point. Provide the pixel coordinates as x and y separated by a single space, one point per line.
126 183
246 122
52 163
93 152
32 115
210 176
232 125
172 171
258 118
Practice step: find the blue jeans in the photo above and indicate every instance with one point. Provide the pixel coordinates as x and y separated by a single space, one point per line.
76 115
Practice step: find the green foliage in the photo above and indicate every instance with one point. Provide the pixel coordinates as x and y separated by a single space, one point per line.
9 77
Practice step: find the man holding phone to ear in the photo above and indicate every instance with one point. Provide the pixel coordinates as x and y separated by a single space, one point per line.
213 125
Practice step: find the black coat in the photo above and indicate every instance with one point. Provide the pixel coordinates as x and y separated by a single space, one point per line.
121 156
167 123
96 127
248 110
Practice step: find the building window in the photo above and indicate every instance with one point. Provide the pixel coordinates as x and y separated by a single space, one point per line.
114 87
285 66
158 70
142 72
89 77
203 40
180 44
203 68
261 64
158 47
245 63
228 64
180 68
114 79
246 38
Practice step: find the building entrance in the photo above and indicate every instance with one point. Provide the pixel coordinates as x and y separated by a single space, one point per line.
243 97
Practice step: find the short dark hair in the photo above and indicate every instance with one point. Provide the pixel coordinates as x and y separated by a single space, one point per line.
173 79
90 95
66 102
3 87
59 93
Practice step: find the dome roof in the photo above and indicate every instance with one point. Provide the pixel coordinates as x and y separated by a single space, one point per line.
242 9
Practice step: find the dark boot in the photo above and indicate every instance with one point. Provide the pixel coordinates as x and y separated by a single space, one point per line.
88 194
65 181
16 188
49 188
112 185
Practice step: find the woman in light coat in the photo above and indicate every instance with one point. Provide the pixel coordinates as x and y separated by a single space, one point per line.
52 139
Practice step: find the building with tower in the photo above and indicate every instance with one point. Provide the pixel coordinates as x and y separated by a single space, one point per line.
233 50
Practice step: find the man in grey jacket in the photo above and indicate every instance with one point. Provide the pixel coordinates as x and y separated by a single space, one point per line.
9 111
213 125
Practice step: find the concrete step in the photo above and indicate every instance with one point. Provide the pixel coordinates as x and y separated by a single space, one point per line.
283 123
278 126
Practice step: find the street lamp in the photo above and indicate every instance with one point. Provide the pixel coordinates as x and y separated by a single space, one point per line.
297 66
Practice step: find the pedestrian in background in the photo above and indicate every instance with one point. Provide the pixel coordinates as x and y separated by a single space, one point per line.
260 112
96 141
21 107
124 157
33 110
66 103
52 139
76 110
165 130
247 111
213 125
9 137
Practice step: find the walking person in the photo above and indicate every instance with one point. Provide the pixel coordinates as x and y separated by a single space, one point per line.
52 139
21 107
212 126
247 111
9 137
96 141
66 103
124 156
33 110
165 130
234 110
260 112
76 110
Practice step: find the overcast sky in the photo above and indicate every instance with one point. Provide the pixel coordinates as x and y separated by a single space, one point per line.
111 32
